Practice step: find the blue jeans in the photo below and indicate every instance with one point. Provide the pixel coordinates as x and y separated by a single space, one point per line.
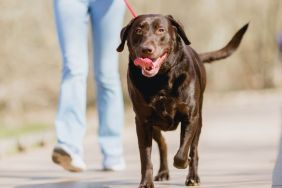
106 17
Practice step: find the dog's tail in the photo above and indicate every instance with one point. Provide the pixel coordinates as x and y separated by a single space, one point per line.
227 50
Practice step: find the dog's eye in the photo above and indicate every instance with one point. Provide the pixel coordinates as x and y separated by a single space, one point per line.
160 30
138 31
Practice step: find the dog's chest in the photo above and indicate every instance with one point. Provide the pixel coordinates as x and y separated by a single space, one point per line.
162 100
166 112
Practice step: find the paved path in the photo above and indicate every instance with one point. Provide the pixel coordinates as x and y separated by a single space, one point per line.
238 149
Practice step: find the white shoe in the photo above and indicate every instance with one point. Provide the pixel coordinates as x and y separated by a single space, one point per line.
67 159
115 167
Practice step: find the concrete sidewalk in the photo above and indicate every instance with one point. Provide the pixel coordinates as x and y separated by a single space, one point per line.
238 149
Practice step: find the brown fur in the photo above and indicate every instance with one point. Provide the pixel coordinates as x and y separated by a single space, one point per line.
174 96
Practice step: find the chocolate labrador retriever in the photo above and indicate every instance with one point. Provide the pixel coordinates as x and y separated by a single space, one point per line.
166 81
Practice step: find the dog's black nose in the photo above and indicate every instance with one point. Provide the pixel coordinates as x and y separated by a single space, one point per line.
147 50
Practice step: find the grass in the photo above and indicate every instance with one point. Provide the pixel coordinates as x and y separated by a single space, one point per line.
27 128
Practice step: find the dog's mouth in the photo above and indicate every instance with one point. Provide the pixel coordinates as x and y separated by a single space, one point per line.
150 67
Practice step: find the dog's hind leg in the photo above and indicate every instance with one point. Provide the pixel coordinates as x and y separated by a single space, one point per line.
163 173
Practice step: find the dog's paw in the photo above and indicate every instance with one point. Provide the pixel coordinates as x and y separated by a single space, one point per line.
192 181
180 163
147 185
162 176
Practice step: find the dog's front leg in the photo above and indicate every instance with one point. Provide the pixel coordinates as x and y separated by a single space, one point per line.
188 129
193 178
145 136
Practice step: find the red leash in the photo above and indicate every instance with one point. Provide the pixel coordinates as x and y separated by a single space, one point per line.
130 9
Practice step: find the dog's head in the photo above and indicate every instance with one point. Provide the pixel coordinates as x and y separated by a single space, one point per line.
150 40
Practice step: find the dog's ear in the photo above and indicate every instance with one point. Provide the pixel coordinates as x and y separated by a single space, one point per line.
179 29
123 36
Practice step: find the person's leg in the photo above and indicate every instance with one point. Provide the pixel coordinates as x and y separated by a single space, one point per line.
71 21
107 19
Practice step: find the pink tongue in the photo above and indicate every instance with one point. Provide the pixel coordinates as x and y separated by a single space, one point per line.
143 62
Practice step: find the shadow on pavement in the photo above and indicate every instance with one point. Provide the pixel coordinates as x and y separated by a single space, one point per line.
77 184
26 174
277 172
